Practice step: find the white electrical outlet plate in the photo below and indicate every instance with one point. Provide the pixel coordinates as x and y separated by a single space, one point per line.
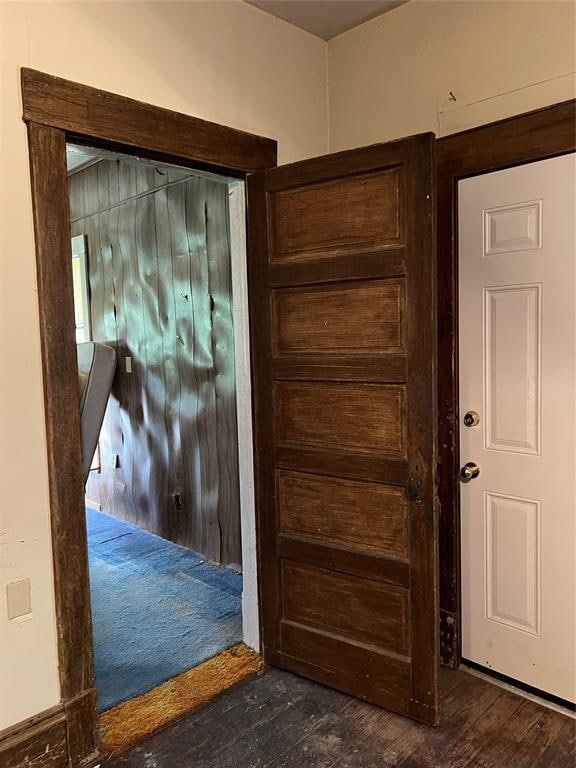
18 598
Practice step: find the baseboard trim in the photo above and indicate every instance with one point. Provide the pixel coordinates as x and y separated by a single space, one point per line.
81 725
41 741
54 738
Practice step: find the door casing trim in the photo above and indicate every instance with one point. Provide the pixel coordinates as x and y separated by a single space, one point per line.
518 140
57 111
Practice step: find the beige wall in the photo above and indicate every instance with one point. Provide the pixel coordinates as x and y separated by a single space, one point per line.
233 64
392 76
223 61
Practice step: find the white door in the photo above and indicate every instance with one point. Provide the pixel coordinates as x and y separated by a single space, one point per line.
517 276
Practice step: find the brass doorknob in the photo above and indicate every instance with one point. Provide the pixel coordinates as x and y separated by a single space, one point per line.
469 471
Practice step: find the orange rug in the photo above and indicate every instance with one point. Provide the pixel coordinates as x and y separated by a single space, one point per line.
132 721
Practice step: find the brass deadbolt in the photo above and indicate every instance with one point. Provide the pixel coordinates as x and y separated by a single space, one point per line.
471 419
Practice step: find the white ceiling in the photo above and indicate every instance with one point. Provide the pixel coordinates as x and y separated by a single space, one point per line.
326 18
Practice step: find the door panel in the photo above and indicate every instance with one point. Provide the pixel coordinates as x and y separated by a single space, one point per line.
346 605
317 219
517 249
342 286
317 319
512 388
352 513
370 416
512 561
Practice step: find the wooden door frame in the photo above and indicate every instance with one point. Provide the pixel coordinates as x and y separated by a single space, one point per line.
57 111
526 138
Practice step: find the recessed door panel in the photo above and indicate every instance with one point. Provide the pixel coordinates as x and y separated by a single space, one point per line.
512 228
512 530
366 610
358 417
346 317
349 513
359 212
512 367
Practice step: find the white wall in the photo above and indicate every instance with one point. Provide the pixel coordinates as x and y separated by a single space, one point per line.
223 61
392 76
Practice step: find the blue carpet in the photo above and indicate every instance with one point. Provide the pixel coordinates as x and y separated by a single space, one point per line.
158 609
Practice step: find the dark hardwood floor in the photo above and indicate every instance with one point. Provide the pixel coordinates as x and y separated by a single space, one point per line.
278 720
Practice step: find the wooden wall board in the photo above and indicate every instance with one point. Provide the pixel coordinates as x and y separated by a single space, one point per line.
160 293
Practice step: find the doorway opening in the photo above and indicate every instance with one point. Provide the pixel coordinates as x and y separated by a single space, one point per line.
158 264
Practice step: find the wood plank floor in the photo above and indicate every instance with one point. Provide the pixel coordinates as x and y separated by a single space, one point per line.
277 720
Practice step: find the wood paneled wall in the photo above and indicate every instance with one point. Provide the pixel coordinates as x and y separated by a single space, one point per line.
160 284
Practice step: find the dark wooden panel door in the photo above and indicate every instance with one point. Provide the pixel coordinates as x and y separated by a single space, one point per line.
342 286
